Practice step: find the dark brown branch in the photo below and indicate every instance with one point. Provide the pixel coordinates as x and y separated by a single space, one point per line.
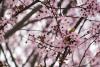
81 26
20 24
77 24
2 9
52 65
34 60
27 7
45 60
63 57
59 3
1 1
67 8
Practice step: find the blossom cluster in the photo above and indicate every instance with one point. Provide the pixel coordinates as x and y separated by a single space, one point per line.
90 7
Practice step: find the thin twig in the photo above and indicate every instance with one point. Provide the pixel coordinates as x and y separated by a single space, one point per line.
28 58
13 59
36 20
1 48
85 52
45 60
52 65
81 26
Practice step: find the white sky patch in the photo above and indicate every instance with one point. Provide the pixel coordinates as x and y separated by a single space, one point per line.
94 49
98 1
56 64
7 54
24 39
49 62
12 64
39 26
87 25
2 58
8 14
18 51
42 0
98 17
79 2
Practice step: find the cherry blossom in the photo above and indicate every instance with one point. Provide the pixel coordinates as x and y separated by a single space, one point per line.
62 32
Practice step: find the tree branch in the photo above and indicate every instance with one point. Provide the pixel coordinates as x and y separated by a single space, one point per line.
85 52
13 59
1 48
20 24
27 7
28 58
